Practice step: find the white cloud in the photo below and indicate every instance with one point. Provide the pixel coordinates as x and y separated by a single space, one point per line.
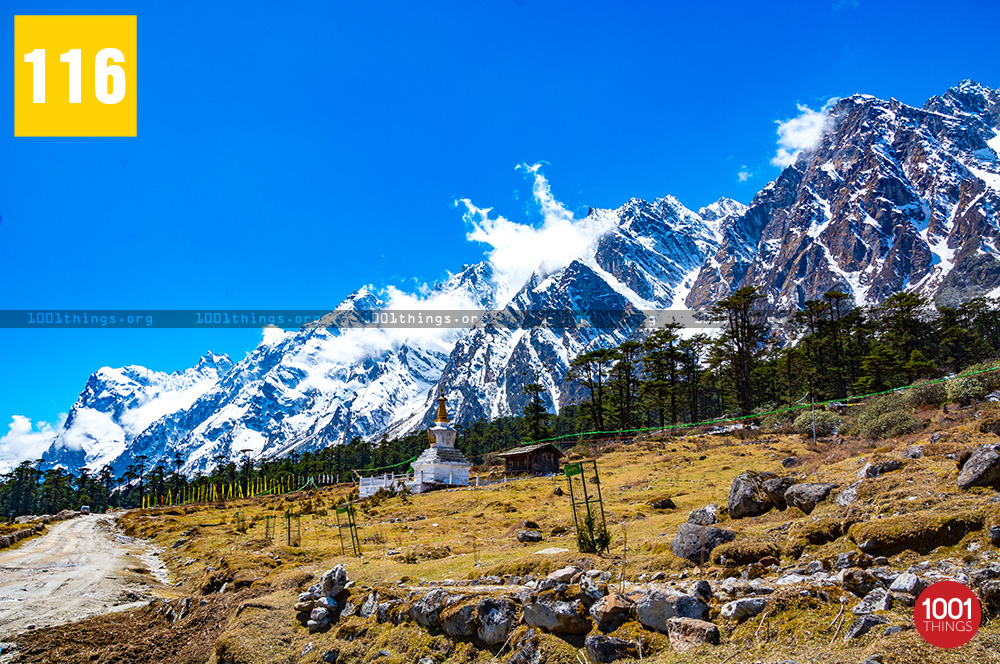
801 133
24 440
518 249
744 174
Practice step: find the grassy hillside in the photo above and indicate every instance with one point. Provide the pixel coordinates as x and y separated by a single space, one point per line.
918 513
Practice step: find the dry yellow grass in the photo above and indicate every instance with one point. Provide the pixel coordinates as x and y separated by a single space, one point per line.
468 533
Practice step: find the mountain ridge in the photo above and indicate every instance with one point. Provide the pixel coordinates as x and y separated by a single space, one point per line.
893 197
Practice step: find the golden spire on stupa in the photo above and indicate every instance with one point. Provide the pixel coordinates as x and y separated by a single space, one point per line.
442 417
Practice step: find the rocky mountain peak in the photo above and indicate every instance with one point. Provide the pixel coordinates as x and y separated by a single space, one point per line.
891 198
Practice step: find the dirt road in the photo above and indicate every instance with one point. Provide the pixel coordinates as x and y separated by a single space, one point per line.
79 568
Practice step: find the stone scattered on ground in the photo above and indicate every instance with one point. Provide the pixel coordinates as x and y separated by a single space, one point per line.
982 467
747 495
688 633
695 543
807 495
862 625
706 516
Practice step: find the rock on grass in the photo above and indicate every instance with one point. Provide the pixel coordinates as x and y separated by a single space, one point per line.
862 625
656 607
688 633
747 495
807 495
604 649
982 468
693 542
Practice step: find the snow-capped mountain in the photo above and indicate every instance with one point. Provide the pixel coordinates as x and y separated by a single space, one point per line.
118 405
891 198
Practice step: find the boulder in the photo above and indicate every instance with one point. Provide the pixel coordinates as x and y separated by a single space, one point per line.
887 466
662 504
908 583
994 534
564 575
702 589
526 649
529 536
807 495
612 611
656 607
857 581
369 606
862 625
741 609
847 496
590 592
460 623
747 495
982 468
688 633
426 610
495 616
691 538
878 599
776 488
706 516
557 616
913 452
605 649
333 581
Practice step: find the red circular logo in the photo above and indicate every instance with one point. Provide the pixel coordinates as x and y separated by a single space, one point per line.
947 614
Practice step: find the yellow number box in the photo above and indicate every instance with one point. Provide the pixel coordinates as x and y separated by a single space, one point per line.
75 76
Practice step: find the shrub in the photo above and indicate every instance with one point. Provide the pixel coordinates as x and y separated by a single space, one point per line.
974 388
879 406
886 425
827 423
924 393
775 420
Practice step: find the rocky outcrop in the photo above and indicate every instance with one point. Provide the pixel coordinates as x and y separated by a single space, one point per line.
606 649
706 516
982 468
557 616
495 617
748 496
806 496
741 609
656 607
689 633
612 611
695 543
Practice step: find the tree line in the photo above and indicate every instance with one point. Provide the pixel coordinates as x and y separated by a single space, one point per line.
827 350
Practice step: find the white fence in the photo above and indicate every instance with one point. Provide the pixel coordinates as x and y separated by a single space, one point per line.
368 486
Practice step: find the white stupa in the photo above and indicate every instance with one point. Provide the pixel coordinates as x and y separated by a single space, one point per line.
442 462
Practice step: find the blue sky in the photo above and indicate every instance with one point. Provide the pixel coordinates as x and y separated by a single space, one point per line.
288 153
